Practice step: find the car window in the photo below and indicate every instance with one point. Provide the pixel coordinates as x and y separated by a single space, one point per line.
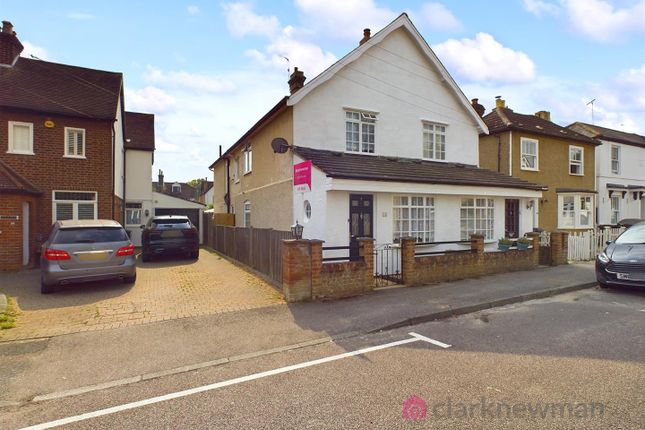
171 223
633 235
90 235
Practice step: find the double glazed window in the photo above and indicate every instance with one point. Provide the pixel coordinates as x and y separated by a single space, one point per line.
615 159
248 160
414 217
434 141
477 217
74 142
247 214
529 154
615 209
74 205
21 138
360 130
576 160
575 211
133 213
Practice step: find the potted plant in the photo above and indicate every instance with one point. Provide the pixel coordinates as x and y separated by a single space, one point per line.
504 244
523 243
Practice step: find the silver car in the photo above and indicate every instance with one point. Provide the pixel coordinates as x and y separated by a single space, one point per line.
86 250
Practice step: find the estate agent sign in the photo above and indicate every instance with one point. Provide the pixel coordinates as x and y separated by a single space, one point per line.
302 176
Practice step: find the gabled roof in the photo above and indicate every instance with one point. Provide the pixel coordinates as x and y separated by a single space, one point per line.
42 86
12 182
343 165
140 131
504 119
604 133
403 21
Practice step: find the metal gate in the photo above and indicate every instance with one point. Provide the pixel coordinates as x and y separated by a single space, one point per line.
387 265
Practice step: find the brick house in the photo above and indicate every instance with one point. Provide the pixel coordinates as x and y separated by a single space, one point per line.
535 149
61 148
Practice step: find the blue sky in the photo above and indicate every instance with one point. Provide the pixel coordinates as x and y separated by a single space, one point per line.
210 69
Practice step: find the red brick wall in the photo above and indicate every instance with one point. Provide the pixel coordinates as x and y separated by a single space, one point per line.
48 170
11 230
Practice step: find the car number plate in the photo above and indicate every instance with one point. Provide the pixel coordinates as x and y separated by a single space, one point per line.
623 276
92 256
172 233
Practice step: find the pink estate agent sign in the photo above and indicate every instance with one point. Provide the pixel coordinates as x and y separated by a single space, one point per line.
302 176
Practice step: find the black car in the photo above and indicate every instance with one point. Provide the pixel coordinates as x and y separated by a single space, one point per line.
622 262
169 234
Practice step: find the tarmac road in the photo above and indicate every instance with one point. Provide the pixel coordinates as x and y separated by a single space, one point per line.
571 361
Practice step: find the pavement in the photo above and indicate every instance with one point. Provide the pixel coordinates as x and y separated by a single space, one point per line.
575 360
54 365
165 289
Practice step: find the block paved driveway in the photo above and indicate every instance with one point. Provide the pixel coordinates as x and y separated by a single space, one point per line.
165 289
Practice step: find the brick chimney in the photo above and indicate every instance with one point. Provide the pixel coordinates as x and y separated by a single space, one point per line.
296 80
478 108
366 36
10 46
500 103
160 183
544 114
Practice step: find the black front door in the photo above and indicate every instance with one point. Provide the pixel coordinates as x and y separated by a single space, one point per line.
512 218
360 220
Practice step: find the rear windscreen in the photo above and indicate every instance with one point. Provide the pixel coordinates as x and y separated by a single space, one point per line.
171 223
91 235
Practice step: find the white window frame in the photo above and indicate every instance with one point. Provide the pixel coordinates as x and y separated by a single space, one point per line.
236 169
248 160
74 129
408 215
614 209
362 119
247 213
613 160
74 203
573 162
480 217
435 151
139 209
175 186
577 211
523 165
10 143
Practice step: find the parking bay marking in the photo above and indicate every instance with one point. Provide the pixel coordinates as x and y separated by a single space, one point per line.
415 337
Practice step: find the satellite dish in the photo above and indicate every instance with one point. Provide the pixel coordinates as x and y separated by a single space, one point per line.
279 145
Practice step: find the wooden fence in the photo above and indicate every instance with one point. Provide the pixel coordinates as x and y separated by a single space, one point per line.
584 246
259 248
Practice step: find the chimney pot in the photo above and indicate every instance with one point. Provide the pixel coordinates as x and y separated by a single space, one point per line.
544 114
366 36
7 28
500 103
10 46
296 80
480 109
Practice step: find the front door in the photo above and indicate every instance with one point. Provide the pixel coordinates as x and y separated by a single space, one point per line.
360 220
512 218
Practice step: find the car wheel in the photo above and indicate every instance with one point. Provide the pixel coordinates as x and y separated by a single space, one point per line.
130 279
46 288
194 255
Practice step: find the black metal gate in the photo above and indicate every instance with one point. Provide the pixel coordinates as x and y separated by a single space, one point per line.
387 265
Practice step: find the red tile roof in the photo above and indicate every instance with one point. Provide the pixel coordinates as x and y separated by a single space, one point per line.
41 86
140 131
505 119
12 182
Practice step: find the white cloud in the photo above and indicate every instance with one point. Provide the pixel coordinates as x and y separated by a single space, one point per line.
484 59
189 81
601 21
540 7
81 16
439 17
193 9
149 99
31 49
242 21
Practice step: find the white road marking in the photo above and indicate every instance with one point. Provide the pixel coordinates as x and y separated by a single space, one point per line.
133 405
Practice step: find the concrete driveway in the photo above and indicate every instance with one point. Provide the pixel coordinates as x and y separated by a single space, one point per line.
166 289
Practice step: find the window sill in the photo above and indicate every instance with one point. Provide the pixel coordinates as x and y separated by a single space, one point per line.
433 159
20 153
246 173
529 170
576 174
78 157
374 154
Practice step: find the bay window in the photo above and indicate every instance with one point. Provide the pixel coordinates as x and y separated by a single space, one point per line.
575 211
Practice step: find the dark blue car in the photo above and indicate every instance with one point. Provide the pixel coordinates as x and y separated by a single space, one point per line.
622 262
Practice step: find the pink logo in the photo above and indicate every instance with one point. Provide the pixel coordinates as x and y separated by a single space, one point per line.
414 408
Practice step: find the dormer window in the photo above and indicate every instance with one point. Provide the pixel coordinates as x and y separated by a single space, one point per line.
176 188
360 130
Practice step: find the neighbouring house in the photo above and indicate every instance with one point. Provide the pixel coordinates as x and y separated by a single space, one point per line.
139 158
535 149
178 198
205 192
61 132
620 172
393 147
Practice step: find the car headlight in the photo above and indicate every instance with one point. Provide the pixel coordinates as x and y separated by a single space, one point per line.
603 257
